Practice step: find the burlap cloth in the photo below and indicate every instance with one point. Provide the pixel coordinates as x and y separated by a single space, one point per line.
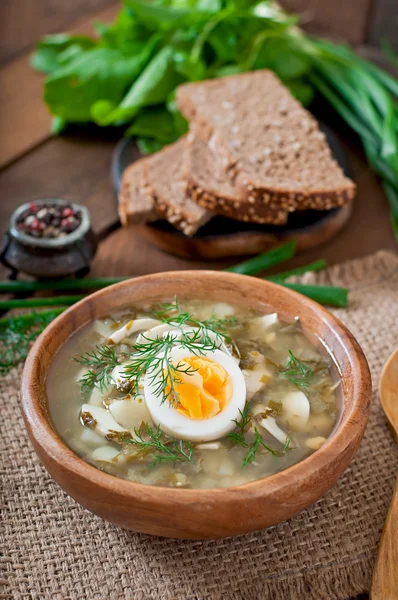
52 548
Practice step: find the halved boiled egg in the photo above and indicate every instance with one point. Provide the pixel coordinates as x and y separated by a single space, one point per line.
210 393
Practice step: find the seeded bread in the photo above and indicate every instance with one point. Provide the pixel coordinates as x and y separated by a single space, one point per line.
211 187
270 147
164 172
153 188
136 203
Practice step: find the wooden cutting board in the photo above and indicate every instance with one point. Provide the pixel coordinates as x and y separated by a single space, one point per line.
223 238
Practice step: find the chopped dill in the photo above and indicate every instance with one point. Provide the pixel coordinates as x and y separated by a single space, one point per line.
245 418
238 437
298 372
147 440
101 363
259 444
213 328
154 357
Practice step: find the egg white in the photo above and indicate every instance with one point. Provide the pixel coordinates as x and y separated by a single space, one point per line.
182 427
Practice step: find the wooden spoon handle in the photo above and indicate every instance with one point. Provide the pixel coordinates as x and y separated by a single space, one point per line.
385 573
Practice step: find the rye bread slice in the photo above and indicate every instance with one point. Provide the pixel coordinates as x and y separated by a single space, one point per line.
210 186
153 188
164 172
269 145
136 203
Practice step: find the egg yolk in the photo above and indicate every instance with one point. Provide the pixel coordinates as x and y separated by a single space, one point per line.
204 393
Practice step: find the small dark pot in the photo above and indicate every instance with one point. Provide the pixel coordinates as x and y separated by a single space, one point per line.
49 258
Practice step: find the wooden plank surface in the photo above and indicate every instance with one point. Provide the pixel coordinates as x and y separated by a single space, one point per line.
24 118
75 167
383 23
25 21
345 19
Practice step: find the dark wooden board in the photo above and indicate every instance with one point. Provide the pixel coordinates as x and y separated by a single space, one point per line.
222 237
126 252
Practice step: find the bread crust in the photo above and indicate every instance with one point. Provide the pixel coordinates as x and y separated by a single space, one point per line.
174 203
136 204
253 199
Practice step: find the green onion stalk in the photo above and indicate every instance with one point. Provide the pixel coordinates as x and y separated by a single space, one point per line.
366 98
253 266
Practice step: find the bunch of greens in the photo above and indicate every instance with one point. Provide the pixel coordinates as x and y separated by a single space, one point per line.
17 334
127 75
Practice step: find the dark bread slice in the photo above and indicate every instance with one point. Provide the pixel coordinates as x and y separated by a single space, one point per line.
211 187
136 203
153 188
164 172
270 146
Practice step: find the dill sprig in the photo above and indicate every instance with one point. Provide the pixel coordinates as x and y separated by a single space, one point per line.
238 437
213 328
153 441
101 363
259 444
298 372
154 357
18 333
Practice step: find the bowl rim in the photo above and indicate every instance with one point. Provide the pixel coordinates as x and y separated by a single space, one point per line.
347 430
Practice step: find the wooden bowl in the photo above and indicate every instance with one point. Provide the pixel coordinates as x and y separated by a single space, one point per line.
204 513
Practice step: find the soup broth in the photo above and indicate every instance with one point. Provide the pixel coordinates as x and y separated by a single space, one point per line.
192 394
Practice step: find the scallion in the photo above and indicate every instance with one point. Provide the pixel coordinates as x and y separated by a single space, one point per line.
324 294
38 302
265 261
